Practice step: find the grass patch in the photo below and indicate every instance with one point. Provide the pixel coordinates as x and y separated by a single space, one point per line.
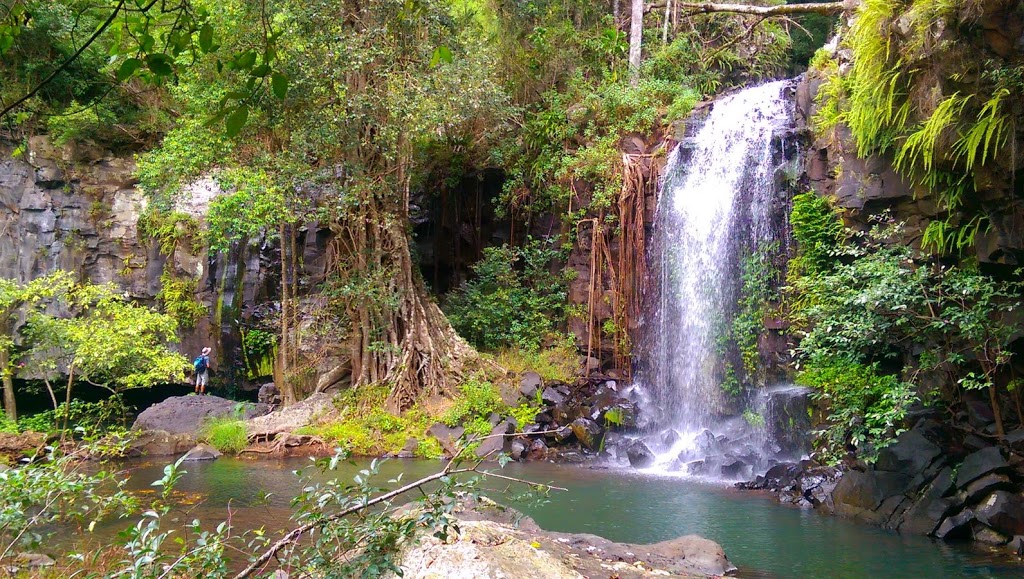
557 363
228 435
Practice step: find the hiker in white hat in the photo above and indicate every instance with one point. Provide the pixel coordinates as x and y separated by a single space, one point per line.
201 366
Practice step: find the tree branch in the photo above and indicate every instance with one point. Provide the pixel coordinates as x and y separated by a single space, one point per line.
766 11
95 35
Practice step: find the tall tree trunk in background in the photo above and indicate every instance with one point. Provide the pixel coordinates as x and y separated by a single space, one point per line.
9 406
636 34
286 387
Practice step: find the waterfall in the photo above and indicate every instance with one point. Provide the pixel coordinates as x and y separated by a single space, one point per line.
717 201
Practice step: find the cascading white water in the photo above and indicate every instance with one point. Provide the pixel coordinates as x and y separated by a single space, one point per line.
716 198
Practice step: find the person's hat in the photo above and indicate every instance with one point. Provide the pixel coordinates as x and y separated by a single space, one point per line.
207 350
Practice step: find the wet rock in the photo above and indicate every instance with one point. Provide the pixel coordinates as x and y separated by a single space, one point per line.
787 419
924 515
956 527
543 418
561 434
910 454
1016 439
538 450
15 446
857 495
588 433
987 535
623 415
187 414
1016 545
670 438
161 443
202 452
497 441
518 449
984 486
1003 512
639 455
980 463
552 397
409 449
529 384
733 469
448 436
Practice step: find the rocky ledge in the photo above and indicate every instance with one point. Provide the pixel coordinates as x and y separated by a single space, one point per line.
496 542
932 480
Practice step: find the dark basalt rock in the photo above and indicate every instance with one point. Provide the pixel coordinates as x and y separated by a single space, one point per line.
980 463
588 433
552 396
1003 512
910 454
529 384
187 414
639 455
956 527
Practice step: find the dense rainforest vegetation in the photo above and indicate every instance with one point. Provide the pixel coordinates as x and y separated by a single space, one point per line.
346 114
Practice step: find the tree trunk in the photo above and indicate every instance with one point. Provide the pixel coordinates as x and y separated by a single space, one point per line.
636 33
286 388
996 411
5 368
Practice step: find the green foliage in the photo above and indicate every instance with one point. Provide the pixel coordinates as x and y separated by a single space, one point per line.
754 419
169 229
817 231
35 499
879 305
255 205
513 300
178 299
524 414
940 138
556 363
477 399
227 434
89 420
866 408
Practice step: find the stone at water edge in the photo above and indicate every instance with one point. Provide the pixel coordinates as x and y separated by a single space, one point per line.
956 527
409 450
202 452
538 450
518 449
910 454
639 455
588 433
497 441
447 436
1003 512
160 443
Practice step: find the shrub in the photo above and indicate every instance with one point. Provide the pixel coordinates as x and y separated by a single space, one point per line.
560 362
866 408
226 434
513 299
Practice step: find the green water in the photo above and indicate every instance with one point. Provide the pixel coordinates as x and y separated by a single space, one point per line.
761 537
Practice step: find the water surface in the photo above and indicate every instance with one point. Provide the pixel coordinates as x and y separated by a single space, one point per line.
761 537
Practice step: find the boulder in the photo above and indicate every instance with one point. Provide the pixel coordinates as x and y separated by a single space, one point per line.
858 494
187 414
980 463
409 449
639 455
497 441
447 436
529 384
910 454
956 527
928 510
1003 512
15 446
518 449
987 535
552 397
269 394
984 486
202 452
538 450
561 435
733 469
160 443
588 433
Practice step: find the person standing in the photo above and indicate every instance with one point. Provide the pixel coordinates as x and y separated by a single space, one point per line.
201 366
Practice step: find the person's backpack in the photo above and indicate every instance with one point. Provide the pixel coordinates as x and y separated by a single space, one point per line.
199 364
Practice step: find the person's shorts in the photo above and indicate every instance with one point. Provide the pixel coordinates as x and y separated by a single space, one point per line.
201 378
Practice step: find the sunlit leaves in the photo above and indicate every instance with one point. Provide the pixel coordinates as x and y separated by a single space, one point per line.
236 120
441 54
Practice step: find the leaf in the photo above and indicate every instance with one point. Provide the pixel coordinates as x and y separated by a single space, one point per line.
441 53
246 60
279 84
236 120
206 38
128 68
160 64
261 71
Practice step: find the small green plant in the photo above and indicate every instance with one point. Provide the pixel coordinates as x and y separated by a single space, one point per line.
754 419
477 399
178 298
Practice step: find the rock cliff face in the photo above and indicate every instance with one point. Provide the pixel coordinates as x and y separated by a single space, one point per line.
77 207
